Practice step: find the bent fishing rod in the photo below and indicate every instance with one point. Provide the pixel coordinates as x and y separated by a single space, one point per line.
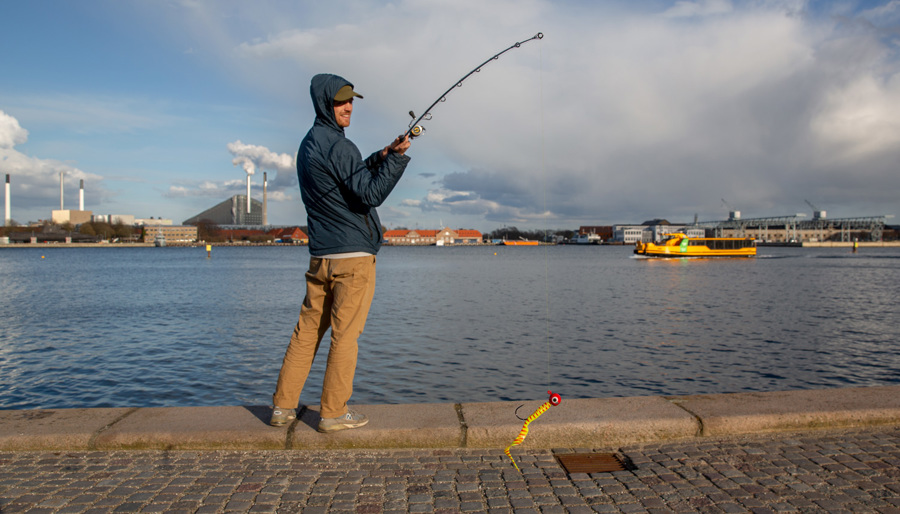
416 130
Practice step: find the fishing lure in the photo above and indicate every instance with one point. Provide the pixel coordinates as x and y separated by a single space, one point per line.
554 400
416 130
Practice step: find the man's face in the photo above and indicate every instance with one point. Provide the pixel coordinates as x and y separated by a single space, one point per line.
342 112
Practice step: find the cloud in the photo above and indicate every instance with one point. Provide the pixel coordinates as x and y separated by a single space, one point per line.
251 157
34 182
622 112
11 134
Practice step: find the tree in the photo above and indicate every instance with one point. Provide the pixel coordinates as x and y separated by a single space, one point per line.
122 231
87 229
208 230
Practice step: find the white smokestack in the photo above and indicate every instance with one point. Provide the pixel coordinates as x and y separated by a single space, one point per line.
250 168
81 196
61 203
8 217
265 220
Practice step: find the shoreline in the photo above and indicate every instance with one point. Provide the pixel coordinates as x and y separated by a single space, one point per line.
575 423
823 244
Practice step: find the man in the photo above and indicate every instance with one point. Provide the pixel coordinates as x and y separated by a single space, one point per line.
340 190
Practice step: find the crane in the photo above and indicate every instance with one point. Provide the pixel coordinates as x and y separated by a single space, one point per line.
732 214
817 214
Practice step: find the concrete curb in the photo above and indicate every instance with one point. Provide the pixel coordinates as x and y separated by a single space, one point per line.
576 423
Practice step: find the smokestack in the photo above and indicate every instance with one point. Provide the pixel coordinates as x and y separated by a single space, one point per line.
7 218
265 220
248 194
61 203
81 196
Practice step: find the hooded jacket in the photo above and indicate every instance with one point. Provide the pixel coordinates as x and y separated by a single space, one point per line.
339 188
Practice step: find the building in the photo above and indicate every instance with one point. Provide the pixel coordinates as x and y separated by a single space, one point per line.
171 233
432 237
605 232
112 219
629 234
152 221
289 235
63 216
232 211
795 229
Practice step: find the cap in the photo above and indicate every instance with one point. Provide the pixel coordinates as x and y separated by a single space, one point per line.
345 93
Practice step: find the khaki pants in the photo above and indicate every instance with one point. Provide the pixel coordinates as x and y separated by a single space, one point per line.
338 295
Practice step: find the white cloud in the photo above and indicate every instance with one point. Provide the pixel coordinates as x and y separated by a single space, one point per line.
11 134
860 119
34 181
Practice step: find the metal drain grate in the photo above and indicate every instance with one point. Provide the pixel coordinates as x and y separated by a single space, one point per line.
591 462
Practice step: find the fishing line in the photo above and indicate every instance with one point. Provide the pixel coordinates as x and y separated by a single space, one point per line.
547 224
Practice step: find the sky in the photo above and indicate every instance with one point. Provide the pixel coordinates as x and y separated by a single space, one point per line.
624 111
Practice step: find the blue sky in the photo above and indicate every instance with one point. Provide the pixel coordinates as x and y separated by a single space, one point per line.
625 111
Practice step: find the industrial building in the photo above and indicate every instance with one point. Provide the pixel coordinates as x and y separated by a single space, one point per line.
232 211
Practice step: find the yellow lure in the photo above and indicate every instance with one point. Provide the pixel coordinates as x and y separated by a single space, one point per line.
555 399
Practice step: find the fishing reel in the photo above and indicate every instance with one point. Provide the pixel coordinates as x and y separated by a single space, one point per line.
417 130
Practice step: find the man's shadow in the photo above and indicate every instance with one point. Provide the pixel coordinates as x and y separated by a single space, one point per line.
305 415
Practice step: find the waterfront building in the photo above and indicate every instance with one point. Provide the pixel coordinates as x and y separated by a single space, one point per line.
432 237
629 234
289 235
232 211
605 232
171 233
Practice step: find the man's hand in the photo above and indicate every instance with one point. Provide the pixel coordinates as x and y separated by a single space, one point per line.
399 145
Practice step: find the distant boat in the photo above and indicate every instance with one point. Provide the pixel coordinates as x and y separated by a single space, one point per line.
522 242
160 239
586 239
679 245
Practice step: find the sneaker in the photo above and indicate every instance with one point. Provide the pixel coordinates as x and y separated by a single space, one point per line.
349 420
281 417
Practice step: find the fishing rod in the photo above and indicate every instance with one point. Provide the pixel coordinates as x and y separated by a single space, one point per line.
416 130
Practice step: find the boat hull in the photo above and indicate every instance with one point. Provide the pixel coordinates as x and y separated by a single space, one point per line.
520 243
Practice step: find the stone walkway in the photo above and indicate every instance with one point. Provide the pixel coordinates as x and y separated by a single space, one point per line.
823 471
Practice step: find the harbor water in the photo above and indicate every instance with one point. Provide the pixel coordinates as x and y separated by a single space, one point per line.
144 327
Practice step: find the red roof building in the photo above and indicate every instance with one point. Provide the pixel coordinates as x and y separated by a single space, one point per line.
289 235
432 237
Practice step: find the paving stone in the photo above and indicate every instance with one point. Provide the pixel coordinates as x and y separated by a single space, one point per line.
763 473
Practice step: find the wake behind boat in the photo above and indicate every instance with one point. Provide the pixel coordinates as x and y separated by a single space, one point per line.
679 245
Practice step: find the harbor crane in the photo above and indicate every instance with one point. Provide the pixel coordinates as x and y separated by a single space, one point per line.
817 214
732 214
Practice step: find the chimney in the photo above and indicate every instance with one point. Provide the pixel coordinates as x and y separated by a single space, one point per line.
61 203
7 218
248 193
81 196
265 220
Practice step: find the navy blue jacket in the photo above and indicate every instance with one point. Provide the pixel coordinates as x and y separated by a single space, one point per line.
339 189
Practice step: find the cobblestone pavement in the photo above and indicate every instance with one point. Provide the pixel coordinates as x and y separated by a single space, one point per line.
829 471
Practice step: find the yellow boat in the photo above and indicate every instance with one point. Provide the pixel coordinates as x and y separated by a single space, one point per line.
520 243
680 245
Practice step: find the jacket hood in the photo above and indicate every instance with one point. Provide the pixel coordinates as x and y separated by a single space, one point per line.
322 89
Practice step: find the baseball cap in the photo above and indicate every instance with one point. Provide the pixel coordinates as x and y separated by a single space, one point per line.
345 93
